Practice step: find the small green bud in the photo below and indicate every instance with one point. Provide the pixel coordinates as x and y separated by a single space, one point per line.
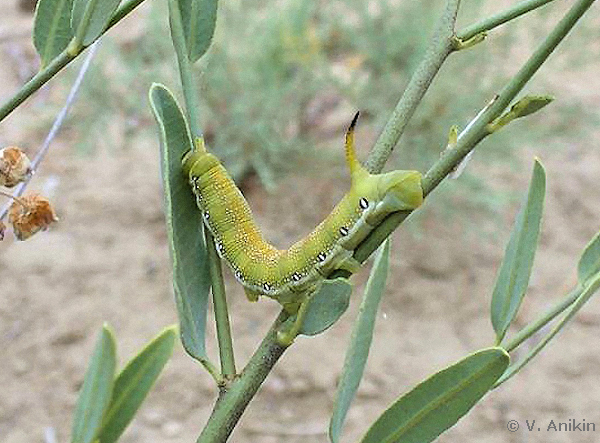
460 44
452 137
526 106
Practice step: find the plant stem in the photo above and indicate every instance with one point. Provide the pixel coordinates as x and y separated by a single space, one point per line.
231 405
19 200
76 44
122 12
60 118
583 297
495 20
185 69
543 320
451 158
62 60
224 337
213 371
36 82
479 131
441 46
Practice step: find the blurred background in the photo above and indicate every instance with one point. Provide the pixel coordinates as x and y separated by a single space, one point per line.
278 87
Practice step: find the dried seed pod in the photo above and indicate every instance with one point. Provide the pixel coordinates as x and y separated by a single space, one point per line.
14 166
30 214
2 230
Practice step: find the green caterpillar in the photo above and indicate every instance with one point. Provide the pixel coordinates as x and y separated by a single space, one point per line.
282 274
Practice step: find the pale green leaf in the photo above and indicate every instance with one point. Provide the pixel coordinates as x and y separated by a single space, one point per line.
191 278
95 20
360 342
515 270
52 28
326 306
440 401
199 18
133 384
96 390
589 263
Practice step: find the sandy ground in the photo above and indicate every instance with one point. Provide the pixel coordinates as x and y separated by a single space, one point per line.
107 260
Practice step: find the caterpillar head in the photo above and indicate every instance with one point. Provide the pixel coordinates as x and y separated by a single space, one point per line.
197 163
398 189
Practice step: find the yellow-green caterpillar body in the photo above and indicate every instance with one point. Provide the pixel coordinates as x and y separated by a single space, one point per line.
282 274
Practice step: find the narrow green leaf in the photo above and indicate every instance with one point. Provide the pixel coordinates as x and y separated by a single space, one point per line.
191 278
133 384
199 18
95 20
589 263
513 277
52 28
360 342
586 293
326 306
440 401
96 390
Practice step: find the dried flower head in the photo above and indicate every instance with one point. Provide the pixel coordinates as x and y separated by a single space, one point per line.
30 214
2 230
14 166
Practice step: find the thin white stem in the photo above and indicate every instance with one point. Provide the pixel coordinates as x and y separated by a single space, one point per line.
60 118
19 200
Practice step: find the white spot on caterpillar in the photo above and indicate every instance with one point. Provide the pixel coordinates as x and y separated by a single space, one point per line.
296 276
344 231
363 203
322 256
266 286
195 184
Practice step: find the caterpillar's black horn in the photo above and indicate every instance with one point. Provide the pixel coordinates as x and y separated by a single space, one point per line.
353 124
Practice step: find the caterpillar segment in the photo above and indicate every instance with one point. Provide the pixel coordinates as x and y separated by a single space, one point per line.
283 274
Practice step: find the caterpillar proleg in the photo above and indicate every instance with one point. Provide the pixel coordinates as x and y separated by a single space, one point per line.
282 274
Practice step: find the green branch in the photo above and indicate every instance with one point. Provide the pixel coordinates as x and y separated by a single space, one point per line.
36 82
478 131
441 46
186 72
544 319
62 60
231 405
224 337
495 20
